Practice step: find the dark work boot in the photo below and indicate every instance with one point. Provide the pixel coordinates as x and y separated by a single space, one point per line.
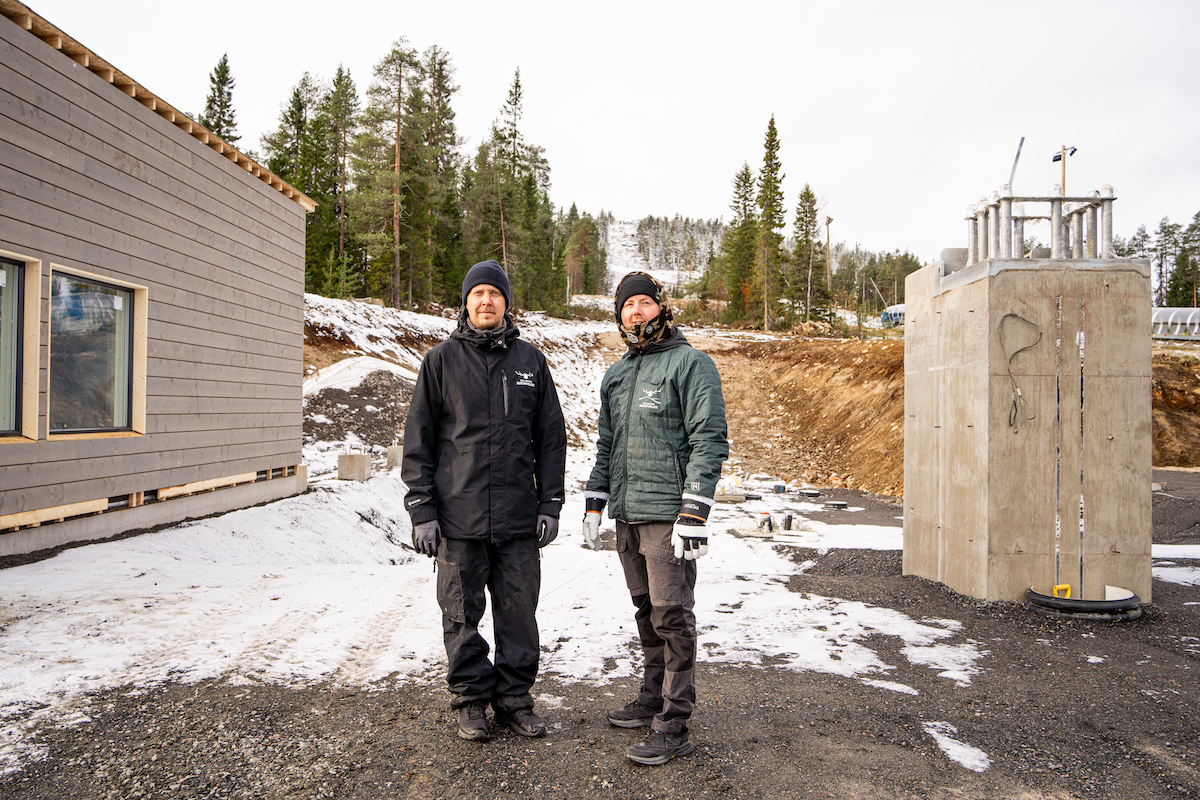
522 721
472 722
634 715
659 748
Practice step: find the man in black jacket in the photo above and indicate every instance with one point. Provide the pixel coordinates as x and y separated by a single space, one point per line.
485 450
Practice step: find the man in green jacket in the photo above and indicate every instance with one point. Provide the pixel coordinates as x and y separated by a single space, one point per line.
661 445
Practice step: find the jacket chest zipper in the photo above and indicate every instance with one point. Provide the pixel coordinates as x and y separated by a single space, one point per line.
504 383
629 416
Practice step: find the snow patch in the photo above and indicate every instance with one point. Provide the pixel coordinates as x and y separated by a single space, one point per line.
970 757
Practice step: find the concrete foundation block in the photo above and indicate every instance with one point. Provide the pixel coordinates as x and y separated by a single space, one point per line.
354 467
1005 492
395 454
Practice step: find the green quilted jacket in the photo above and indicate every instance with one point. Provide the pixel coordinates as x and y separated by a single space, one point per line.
662 431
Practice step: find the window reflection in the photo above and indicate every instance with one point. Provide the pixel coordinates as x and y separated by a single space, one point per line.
90 356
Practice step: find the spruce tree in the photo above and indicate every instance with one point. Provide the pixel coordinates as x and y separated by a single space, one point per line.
443 218
808 285
301 151
771 221
737 246
219 116
340 109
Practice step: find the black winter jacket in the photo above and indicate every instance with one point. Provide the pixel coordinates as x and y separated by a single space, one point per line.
485 444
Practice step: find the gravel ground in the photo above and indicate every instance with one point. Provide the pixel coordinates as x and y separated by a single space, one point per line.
1062 709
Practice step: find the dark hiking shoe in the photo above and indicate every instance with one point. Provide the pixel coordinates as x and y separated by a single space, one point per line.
659 748
522 721
634 715
472 722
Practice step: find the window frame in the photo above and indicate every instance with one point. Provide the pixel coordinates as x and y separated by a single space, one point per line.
137 365
28 357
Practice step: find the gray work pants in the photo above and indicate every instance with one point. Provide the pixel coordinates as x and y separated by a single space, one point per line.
663 591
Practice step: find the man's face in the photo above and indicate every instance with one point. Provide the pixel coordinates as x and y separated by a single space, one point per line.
638 309
485 306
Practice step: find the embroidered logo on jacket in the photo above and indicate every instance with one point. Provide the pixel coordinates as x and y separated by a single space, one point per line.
526 379
651 400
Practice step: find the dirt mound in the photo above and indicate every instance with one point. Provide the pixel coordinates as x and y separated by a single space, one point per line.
831 412
828 412
375 411
1176 411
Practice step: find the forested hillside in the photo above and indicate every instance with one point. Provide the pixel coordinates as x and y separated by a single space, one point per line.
402 212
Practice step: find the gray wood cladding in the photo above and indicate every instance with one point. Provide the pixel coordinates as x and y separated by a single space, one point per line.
92 180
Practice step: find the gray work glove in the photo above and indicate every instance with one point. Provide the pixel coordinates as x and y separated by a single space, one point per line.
594 502
591 529
547 529
426 537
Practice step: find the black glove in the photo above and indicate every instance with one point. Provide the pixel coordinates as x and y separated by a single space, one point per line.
547 529
426 537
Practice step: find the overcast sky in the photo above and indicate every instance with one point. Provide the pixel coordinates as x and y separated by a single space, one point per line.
899 115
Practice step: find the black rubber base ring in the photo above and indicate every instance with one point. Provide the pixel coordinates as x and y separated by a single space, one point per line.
1037 599
1122 616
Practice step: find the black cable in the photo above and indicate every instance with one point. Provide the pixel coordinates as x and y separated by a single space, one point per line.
1018 400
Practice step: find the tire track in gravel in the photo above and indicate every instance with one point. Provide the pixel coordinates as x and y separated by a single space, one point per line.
358 666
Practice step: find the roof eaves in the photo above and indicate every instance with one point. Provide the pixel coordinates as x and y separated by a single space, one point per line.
29 20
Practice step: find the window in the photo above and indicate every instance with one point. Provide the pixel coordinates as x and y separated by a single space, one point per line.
11 274
96 363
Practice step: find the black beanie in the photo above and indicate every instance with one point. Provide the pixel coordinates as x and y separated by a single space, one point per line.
491 273
635 283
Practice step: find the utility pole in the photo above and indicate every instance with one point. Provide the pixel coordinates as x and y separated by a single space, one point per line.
828 261
1061 155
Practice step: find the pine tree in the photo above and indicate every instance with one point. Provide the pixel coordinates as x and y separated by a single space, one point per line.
1139 243
381 202
1183 285
219 116
580 256
771 220
1168 240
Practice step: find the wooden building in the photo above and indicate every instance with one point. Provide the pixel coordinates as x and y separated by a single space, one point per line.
151 305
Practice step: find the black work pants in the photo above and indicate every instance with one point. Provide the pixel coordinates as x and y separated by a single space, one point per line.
663 591
512 574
